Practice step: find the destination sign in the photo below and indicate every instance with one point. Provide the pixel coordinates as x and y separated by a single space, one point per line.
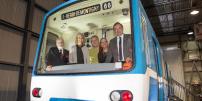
83 11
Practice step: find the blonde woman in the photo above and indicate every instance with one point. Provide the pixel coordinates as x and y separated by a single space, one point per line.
79 52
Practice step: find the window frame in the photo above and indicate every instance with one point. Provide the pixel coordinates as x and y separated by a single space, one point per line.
36 72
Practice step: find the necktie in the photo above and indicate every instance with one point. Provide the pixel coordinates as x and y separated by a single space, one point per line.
120 49
60 53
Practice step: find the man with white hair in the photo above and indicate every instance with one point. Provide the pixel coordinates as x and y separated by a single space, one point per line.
57 55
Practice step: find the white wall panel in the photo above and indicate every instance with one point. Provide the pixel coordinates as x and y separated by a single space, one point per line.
29 75
38 14
13 11
167 39
32 52
37 19
9 83
48 4
174 60
10 45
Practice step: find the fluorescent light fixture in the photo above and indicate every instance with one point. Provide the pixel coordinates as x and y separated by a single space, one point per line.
190 33
171 48
194 12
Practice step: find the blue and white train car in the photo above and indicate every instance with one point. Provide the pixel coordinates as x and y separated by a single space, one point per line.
145 79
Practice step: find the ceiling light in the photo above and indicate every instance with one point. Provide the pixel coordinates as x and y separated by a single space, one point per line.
125 11
171 48
190 33
194 12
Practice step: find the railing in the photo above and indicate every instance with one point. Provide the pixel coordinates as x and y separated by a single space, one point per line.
177 92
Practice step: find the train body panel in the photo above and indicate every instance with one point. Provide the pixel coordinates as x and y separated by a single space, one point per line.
145 79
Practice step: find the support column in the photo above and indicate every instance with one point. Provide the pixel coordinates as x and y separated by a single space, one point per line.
24 70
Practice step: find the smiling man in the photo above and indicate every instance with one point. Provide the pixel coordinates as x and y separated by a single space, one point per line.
120 47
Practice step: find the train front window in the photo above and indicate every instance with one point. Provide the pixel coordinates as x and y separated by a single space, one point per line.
88 36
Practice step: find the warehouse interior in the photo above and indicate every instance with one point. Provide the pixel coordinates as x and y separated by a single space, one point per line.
175 27
172 22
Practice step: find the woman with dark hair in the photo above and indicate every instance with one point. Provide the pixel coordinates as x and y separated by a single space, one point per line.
103 50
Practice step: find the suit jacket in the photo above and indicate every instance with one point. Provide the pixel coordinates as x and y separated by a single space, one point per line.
113 49
73 55
54 58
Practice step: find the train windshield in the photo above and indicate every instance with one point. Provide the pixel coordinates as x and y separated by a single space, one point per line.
88 36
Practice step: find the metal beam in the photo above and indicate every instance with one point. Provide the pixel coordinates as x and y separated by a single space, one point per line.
41 8
175 26
22 83
184 31
174 19
11 64
165 3
181 32
17 28
175 11
193 71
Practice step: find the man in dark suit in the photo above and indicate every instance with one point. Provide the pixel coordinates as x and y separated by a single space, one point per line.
120 47
57 55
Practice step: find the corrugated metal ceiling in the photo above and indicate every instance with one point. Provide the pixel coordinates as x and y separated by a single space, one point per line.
172 16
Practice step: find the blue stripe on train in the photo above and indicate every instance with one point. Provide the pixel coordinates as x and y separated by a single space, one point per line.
153 90
65 99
